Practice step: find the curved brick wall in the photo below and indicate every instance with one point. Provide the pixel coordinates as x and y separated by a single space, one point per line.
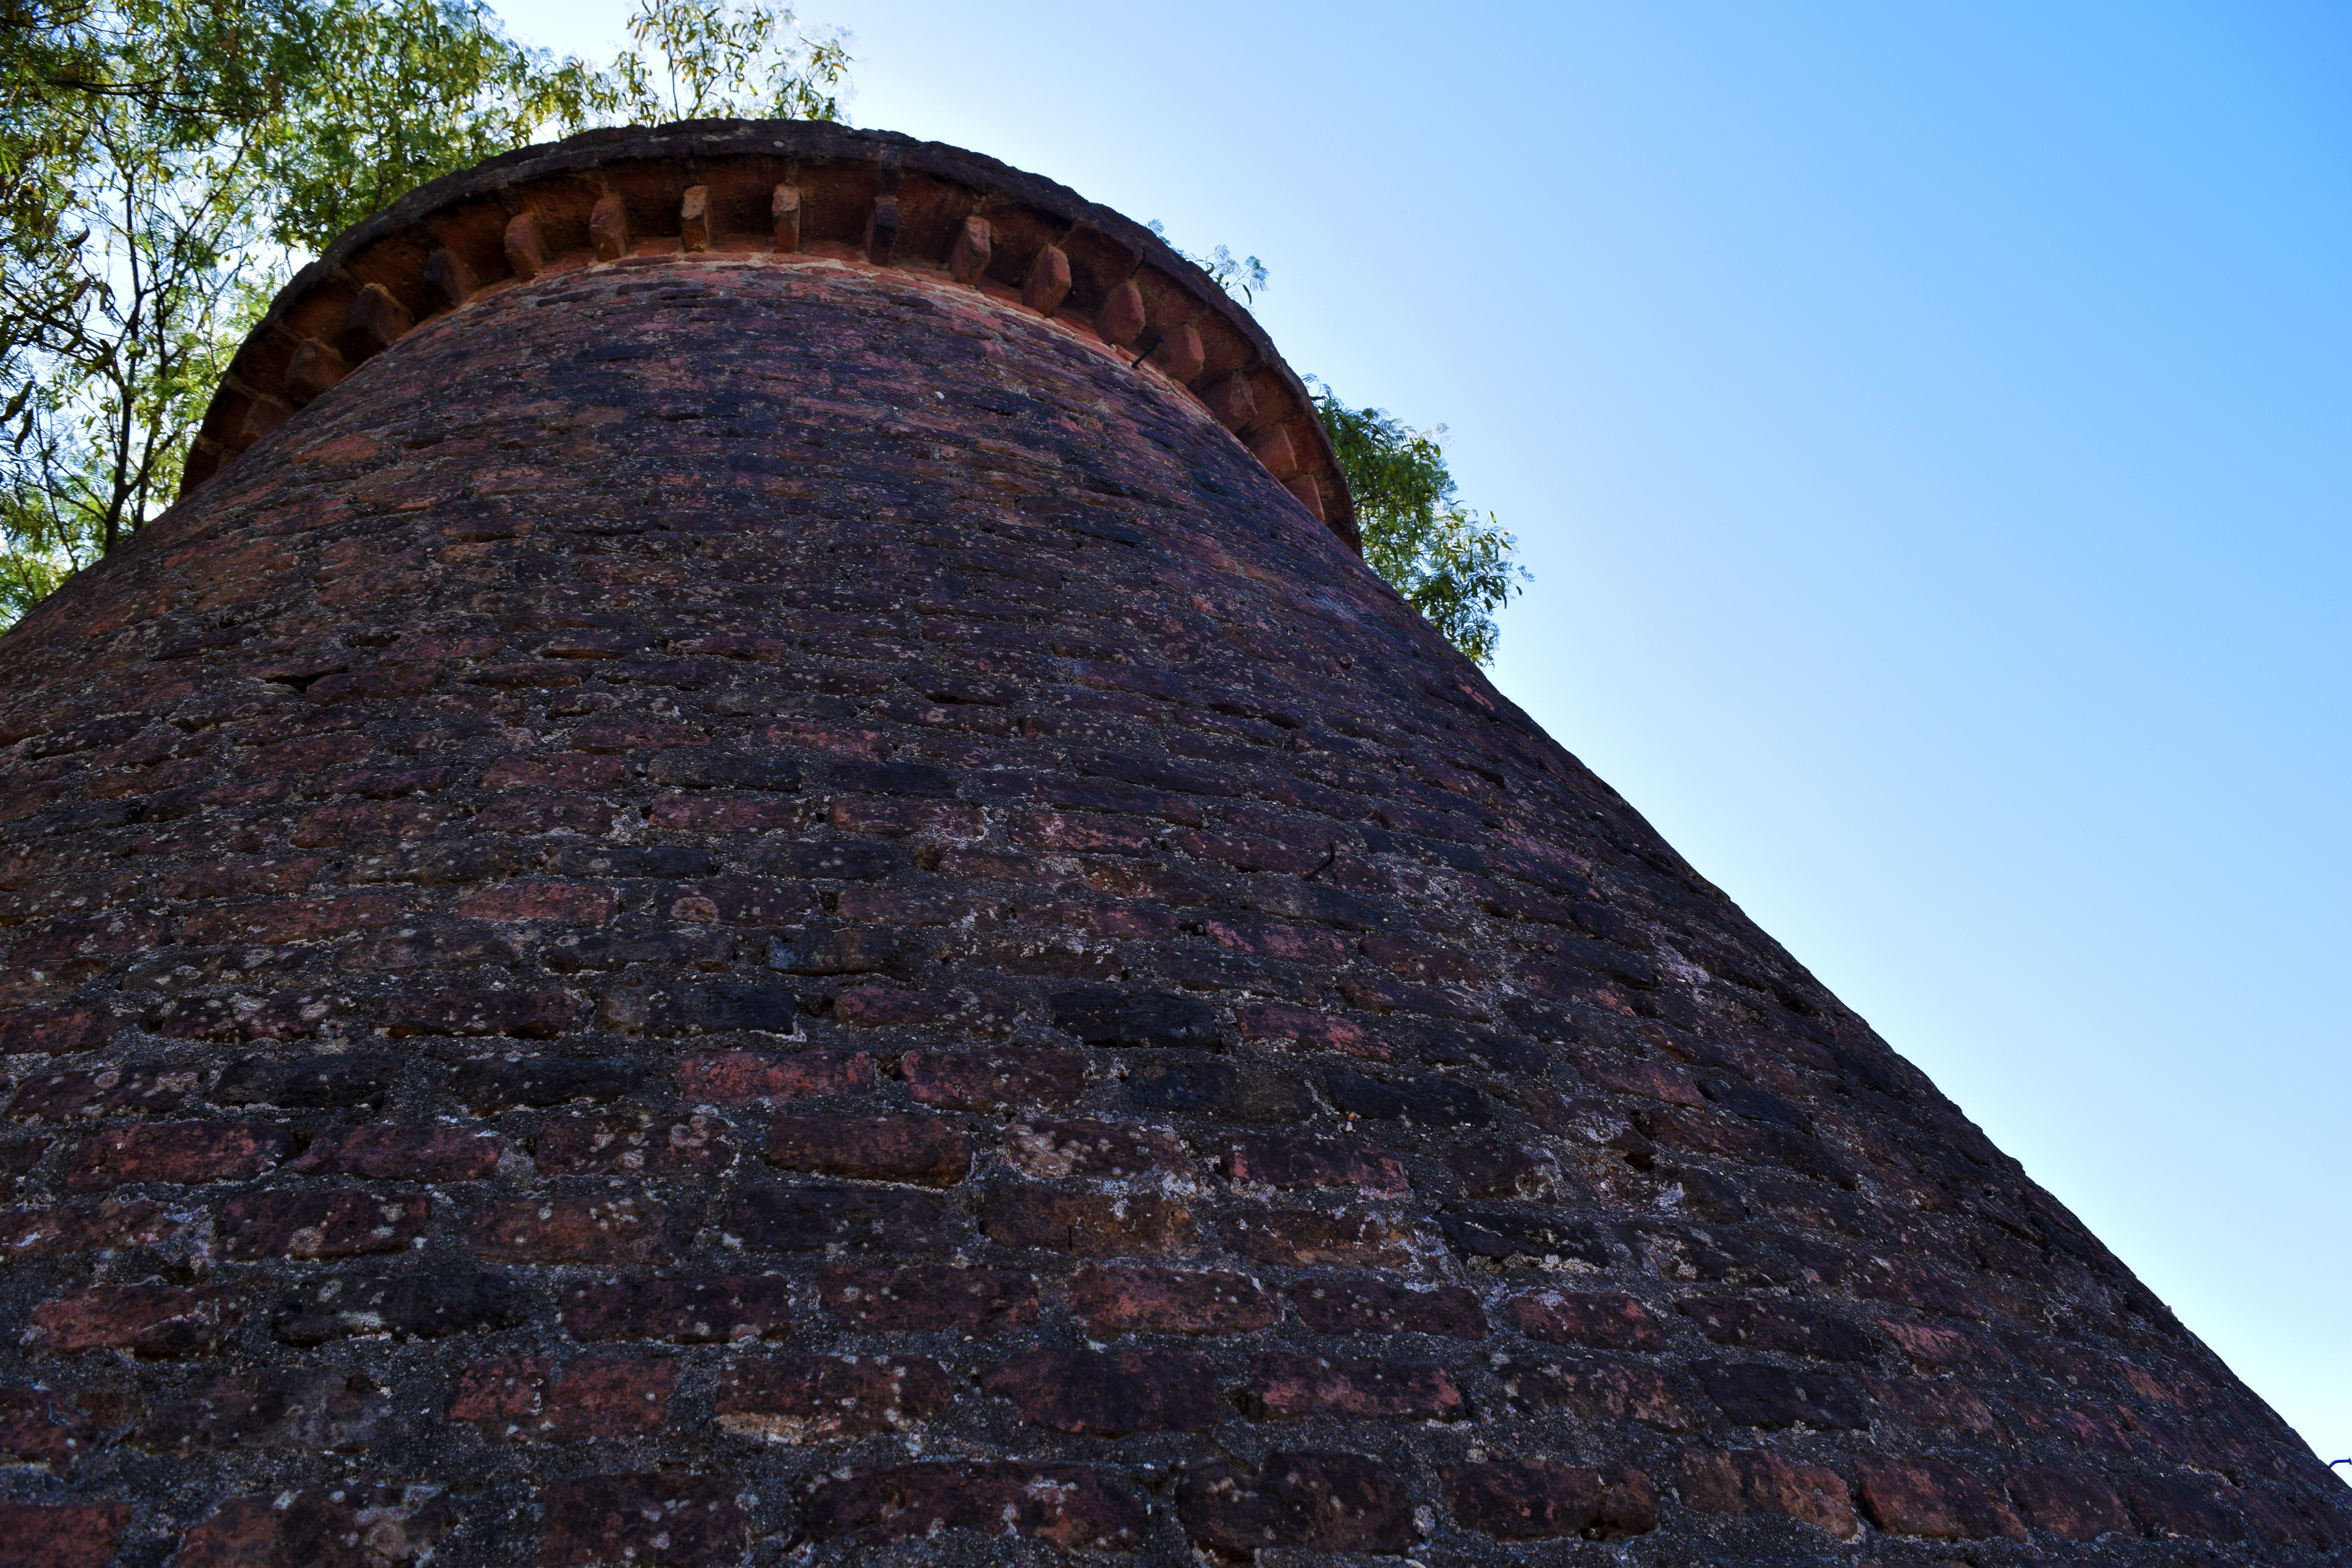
752 906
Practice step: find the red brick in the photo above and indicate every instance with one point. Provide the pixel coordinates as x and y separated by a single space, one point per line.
1538 1500
929 1297
1651 1080
632 1143
1291 1384
740 1077
572 1230
1107 1394
1068 1506
669 1518
1747 1482
371 822
1369 1304
343 1224
576 904
1326 1502
533 1398
68 1535
1604 1322
728 818
1307 1239
1269 1160
391 1151
699 1310
559 771
276 921
182 1153
1940 1405
106 1226
919 1149
1143 1300
1089 1224
1935 1498
56 1031
971 1080
102 1092
38 1427
159 1323
1605 1394
2073 1503
818 1399
1324 1030
1102 1149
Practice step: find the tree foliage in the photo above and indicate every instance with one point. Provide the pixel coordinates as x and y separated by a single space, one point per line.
1453 567
1449 563
165 165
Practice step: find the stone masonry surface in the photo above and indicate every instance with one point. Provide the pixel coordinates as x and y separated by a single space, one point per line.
743 906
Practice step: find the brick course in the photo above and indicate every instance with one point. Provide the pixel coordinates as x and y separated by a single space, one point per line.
740 902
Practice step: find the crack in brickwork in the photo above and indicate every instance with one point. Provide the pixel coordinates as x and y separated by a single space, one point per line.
754 909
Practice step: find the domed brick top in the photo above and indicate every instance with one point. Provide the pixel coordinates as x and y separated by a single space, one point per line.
745 902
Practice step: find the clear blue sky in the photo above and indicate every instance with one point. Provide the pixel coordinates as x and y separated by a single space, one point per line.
1931 432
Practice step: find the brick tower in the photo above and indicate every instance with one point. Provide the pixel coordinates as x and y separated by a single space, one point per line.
754 880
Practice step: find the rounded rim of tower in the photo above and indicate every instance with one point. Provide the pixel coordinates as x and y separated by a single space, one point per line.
873 198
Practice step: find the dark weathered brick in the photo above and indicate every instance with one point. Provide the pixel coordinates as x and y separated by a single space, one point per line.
1093 1225
423 1305
40 1427
667 1518
160 1323
533 1398
973 1080
490 1084
1326 1502
61 1535
1743 1481
398 1152
181 1153
626 1143
1108 1017
307 1083
1604 1393
929 1297
1279 1161
1603 1320
817 1399
574 1230
771 1219
289 1408
1538 1500
1068 1506
1292 1384
1105 1150
343 1224
102 1091
1307 1239
1934 1498
1753 1394
1138 1299
695 1310
1368 1304
739 1077
1771 1326
1106 1394
2074 1503
919 1148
